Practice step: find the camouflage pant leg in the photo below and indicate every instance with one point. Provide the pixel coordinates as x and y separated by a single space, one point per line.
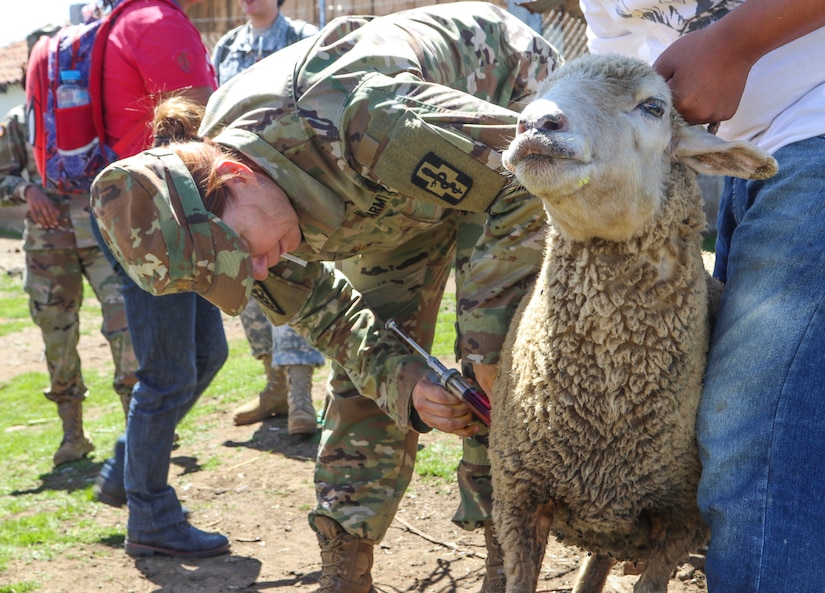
473 474
257 328
475 487
365 462
291 348
107 286
364 466
54 284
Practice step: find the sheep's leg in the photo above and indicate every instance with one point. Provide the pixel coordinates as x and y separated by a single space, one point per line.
593 573
523 529
670 543
655 577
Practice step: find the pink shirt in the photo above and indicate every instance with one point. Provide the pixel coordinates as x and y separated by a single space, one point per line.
153 48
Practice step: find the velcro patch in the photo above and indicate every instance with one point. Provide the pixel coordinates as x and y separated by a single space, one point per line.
262 295
441 179
432 164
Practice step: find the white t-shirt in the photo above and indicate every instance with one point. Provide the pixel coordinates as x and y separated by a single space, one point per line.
784 99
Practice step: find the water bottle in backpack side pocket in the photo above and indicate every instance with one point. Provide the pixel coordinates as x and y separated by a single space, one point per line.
75 136
71 93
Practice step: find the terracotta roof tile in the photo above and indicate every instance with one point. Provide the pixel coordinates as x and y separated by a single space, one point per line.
12 57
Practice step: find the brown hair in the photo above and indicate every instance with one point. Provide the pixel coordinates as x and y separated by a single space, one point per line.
176 124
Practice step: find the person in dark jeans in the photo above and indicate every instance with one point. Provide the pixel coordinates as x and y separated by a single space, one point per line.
154 50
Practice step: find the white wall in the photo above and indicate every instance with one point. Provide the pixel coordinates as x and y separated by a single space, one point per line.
14 95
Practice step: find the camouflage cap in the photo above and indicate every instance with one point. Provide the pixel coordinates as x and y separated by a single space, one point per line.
153 219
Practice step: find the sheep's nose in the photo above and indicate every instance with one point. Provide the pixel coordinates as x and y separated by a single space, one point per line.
546 120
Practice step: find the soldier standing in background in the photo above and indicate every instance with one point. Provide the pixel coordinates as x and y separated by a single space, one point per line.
267 31
60 251
287 357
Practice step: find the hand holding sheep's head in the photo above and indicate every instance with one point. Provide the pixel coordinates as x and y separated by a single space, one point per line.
598 144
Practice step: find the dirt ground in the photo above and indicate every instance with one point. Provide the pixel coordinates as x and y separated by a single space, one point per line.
259 497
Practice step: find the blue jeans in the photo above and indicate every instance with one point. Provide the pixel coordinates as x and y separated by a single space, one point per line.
180 346
761 424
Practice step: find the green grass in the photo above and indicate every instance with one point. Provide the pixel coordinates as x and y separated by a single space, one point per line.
19 588
14 305
439 459
10 326
444 343
44 510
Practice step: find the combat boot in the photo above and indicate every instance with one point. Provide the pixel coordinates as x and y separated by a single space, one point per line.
76 443
494 581
301 411
346 560
271 401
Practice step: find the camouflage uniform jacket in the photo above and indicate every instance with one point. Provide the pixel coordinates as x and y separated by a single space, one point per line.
18 171
376 130
240 48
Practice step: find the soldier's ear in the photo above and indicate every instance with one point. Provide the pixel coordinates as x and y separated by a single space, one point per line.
232 168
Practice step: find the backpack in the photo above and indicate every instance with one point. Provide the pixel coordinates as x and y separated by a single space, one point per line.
69 144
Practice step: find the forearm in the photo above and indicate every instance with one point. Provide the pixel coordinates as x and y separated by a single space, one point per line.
759 26
707 89
337 321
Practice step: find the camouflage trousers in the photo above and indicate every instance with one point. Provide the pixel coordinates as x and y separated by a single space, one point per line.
54 283
286 345
365 461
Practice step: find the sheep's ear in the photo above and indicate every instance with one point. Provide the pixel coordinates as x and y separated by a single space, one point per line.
705 153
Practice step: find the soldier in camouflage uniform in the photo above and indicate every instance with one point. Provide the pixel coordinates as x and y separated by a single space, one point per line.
60 251
287 357
377 143
267 31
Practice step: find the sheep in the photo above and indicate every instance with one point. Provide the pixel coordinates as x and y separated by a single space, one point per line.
594 407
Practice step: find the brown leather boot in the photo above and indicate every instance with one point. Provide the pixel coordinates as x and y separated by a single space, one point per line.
76 444
346 560
494 581
271 401
302 418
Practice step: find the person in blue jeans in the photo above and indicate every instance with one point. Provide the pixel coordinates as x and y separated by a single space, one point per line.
761 425
754 66
155 50
180 345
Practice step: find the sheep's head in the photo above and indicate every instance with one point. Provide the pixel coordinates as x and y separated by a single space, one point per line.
598 142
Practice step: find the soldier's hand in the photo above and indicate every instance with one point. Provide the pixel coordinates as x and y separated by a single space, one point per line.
440 409
41 209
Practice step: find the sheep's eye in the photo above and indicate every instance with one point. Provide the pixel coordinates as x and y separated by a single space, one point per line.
652 106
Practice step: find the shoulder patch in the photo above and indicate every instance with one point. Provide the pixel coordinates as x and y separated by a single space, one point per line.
441 179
